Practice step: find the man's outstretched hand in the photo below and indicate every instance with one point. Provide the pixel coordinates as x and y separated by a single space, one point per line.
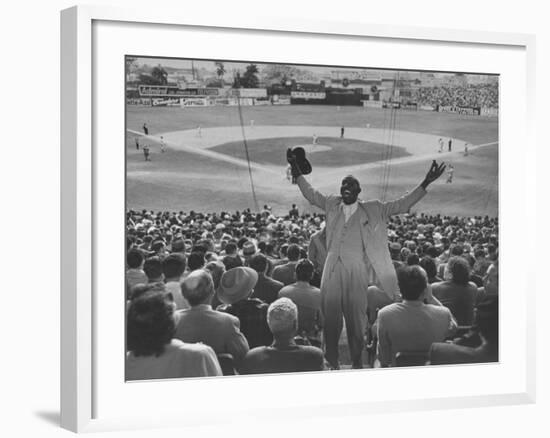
294 168
436 170
290 157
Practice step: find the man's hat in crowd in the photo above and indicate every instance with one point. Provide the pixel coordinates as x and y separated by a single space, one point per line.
237 284
395 246
249 249
178 245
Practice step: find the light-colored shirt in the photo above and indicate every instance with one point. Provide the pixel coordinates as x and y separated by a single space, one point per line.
174 287
411 326
135 276
308 300
349 210
178 360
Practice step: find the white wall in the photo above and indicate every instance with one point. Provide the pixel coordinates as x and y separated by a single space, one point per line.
29 219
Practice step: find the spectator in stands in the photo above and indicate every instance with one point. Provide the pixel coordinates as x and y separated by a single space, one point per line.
196 261
216 270
481 263
158 247
308 300
411 326
413 259
284 355
490 281
231 258
486 325
153 269
428 264
270 254
202 324
266 289
178 247
236 286
142 288
395 251
286 273
173 268
135 273
421 234
248 250
153 353
458 293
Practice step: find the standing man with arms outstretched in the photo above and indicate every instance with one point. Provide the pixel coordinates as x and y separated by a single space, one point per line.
357 255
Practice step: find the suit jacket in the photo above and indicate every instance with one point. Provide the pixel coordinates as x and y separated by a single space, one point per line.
374 232
317 250
219 330
267 289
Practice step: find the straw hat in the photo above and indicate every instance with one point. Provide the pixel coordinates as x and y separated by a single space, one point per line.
237 284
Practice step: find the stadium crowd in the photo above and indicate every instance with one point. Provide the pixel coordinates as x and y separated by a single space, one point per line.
482 95
238 293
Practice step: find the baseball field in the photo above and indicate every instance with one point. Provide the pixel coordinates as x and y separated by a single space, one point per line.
206 166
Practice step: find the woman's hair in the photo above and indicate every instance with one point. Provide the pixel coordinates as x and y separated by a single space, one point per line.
459 268
150 324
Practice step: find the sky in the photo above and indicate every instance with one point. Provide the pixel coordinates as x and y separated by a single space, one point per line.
234 66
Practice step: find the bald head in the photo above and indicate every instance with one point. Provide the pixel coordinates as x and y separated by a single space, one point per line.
198 287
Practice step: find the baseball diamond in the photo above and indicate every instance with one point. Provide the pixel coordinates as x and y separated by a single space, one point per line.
215 161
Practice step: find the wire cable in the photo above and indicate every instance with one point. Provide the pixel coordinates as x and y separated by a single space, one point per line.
256 205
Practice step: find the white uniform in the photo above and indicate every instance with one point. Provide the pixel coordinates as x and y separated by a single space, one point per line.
450 174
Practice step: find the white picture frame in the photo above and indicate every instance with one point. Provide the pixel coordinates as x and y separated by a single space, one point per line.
83 198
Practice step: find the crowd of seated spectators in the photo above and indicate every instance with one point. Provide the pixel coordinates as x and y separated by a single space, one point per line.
238 293
482 95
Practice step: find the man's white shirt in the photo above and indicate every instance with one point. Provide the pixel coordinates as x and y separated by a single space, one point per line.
349 210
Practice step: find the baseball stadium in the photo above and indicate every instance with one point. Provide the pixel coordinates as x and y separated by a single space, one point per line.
217 205
233 156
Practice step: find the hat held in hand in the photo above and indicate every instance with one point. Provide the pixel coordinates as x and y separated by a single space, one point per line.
301 161
237 284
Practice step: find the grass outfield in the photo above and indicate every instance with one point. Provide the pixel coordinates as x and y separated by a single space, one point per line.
342 152
473 129
177 180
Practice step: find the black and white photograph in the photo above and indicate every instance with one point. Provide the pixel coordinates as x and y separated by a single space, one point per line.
285 218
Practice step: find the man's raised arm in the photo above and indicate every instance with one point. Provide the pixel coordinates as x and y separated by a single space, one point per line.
404 204
313 196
